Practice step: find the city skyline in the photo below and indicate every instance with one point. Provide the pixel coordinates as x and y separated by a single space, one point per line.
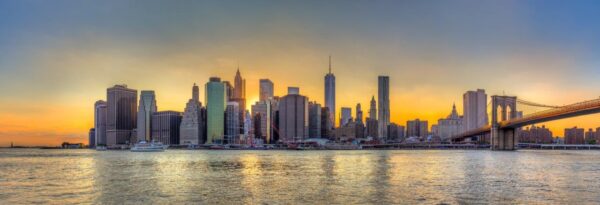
69 70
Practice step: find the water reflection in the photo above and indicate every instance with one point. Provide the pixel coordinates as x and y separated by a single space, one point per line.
298 177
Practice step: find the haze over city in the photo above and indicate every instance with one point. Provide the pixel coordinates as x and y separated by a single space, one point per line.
57 58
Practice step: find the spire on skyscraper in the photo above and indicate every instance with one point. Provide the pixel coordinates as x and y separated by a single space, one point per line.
329 63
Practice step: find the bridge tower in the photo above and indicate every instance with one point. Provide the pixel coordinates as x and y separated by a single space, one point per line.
505 138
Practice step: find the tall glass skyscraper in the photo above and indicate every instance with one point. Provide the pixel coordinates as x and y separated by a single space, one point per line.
383 90
146 108
330 94
215 110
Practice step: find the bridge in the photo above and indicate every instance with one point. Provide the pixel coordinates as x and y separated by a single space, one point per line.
505 121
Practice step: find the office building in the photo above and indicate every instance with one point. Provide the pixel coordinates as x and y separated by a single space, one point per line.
474 109
449 126
359 114
326 123
92 138
417 128
372 128
121 114
232 122
330 95
100 117
346 116
293 117
193 123
393 135
263 117
266 89
215 110
165 127
383 95
314 119
146 108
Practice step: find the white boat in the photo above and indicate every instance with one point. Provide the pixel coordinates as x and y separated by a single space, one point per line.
101 148
153 146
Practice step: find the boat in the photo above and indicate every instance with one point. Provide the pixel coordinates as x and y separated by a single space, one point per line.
101 148
144 146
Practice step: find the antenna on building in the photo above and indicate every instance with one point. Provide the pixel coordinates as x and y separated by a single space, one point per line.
329 64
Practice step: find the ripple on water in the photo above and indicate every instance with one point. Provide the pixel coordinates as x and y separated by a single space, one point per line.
30 176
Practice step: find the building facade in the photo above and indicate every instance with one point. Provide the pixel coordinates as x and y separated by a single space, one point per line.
574 136
293 118
215 111
121 114
165 127
417 128
314 120
146 108
383 95
359 114
326 123
535 134
346 116
475 109
330 95
92 138
449 126
263 117
232 122
100 117
266 89
193 123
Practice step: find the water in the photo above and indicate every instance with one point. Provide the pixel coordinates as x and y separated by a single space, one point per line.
299 177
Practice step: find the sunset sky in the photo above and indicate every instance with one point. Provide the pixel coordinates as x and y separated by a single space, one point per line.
58 57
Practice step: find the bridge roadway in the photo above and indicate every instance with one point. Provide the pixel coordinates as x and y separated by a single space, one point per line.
567 111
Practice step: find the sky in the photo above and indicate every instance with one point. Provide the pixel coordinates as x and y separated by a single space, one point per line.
58 57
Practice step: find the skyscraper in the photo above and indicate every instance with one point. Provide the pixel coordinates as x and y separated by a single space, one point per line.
100 122
346 116
325 123
146 108
239 96
383 90
373 109
263 109
193 123
232 122
475 109
215 110
359 114
330 95
266 89
165 127
314 120
293 118
121 114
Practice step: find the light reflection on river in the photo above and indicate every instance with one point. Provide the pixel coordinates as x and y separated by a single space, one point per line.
299 177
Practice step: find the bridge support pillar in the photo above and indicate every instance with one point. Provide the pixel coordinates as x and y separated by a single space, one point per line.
503 139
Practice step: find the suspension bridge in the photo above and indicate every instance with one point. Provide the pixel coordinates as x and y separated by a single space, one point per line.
506 119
